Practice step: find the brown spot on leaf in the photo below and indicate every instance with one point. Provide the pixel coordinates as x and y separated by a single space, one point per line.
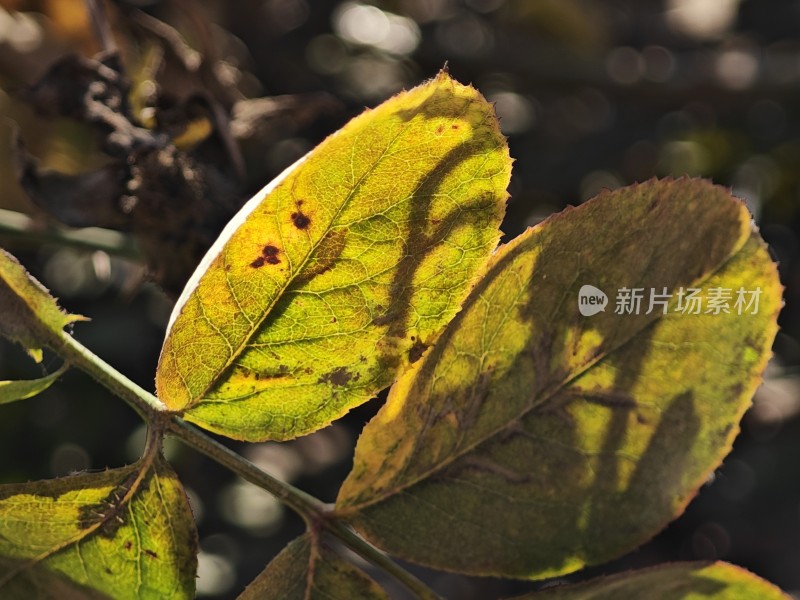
270 253
300 220
281 371
258 262
338 377
440 129
108 513
453 126
416 351
324 258
128 545
151 554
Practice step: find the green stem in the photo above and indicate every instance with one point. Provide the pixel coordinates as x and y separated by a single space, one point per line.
308 507
18 225
366 550
313 511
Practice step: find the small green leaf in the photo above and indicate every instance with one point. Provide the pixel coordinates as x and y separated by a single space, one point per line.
336 277
31 315
679 581
308 569
122 533
533 440
11 391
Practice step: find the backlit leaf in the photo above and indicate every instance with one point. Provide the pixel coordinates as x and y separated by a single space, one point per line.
532 440
122 533
306 570
31 316
20 390
679 581
336 277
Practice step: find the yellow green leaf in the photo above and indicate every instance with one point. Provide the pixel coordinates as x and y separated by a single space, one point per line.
307 569
678 581
31 315
533 440
335 278
20 390
122 533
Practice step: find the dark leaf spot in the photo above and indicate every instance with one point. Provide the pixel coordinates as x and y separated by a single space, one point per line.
108 513
151 554
270 253
440 129
300 220
281 371
128 545
339 377
259 262
416 351
324 257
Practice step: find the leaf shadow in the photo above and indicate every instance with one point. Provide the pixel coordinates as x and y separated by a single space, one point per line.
621 520
424 236
531 500
29 580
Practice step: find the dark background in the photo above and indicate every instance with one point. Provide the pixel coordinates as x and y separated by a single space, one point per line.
591 95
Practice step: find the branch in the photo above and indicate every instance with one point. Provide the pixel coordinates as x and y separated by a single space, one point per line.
315 513
101 26
18 225
308 507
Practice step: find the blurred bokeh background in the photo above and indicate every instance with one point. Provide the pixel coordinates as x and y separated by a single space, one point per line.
592 95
